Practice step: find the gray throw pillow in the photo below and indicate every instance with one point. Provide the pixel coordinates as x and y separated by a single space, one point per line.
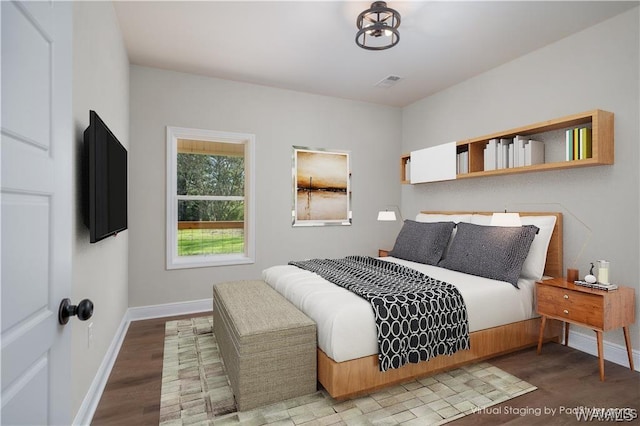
495 252
422 242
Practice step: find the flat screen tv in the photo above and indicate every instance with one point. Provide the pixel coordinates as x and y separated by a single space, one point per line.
105 181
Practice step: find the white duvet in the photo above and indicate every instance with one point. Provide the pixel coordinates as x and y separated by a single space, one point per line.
345 322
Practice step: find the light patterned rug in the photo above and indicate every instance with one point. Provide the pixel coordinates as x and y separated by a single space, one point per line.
195 391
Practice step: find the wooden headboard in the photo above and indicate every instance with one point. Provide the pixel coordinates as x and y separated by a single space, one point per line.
553 266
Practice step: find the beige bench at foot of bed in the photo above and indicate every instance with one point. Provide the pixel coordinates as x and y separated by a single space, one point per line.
268 346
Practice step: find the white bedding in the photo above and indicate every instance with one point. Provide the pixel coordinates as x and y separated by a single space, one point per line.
345 322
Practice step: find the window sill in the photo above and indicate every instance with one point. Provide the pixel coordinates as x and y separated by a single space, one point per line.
209 261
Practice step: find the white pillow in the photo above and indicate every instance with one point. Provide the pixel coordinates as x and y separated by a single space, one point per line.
481 219
533 267
435 217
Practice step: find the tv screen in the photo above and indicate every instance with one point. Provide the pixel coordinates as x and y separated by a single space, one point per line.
105 181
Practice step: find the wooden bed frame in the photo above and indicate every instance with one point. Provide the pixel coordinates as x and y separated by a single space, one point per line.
354 377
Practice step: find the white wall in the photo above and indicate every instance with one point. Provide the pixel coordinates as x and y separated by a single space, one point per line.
101 83
280 119
594 69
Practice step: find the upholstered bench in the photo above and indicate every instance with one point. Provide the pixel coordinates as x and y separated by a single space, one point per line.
268 346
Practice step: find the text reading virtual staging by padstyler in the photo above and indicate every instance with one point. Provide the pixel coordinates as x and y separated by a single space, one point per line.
580 413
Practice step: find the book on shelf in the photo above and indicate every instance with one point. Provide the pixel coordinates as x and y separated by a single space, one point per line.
499 156
569 145
503 153
519 142
578 143
585 143
510 153
533 152
462 165
507 153
491 155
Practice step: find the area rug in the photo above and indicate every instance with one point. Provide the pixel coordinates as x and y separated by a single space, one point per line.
196 391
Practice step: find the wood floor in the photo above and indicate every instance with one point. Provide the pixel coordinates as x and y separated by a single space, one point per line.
566 379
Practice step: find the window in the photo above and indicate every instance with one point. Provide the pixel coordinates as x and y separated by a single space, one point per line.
210 219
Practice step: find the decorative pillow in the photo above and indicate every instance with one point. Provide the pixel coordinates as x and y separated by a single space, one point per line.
533 267
437 217
495 252
422 242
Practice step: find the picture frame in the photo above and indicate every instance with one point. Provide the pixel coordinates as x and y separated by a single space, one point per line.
321 187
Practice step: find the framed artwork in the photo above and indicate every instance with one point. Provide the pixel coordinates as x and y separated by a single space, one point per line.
321 187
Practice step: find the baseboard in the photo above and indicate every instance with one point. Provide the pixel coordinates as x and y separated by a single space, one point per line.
612 351
92 398
170 309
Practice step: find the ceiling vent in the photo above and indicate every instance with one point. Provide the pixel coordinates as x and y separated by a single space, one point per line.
388 81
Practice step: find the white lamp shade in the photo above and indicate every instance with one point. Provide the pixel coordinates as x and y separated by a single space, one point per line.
387 215
506 219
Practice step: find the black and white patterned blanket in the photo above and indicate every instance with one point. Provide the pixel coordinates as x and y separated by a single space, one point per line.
417 317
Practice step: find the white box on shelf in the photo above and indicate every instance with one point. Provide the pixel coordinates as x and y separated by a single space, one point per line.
434 164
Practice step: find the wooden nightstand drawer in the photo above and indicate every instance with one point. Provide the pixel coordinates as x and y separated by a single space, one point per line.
597 309
571 305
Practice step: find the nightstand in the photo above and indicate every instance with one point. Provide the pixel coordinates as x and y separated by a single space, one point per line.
383 253
596 309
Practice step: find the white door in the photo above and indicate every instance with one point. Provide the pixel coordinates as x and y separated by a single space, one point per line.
37 208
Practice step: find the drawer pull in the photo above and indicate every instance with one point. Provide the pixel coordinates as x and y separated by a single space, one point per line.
566 311
566 296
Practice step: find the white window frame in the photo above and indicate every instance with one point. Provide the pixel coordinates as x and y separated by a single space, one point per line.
179 262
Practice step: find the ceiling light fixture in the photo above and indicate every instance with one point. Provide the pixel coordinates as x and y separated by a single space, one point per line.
378 27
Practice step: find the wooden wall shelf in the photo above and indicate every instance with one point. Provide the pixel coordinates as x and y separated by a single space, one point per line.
602 146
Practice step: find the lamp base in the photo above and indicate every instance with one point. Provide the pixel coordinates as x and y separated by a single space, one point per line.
572 275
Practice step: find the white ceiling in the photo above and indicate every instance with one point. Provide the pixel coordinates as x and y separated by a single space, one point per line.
309 45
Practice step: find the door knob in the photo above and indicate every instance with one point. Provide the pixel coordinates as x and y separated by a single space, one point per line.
84 310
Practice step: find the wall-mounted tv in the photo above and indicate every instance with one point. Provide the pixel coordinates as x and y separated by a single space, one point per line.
105 181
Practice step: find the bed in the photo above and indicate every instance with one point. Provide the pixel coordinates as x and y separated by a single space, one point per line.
348 362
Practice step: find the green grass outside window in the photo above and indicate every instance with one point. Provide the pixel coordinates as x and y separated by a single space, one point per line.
195 242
